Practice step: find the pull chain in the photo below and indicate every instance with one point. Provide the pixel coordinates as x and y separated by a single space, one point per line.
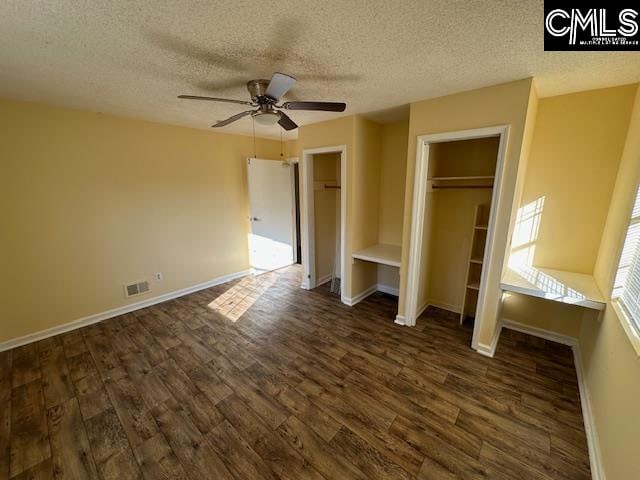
281 148
253 123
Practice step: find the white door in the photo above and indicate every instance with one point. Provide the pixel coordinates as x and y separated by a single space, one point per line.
270 214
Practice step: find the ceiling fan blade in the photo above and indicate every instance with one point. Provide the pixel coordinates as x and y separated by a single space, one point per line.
214 99
322 106
286 122
232 119
279 85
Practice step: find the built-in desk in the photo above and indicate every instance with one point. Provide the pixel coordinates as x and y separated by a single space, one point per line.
380 253
556 285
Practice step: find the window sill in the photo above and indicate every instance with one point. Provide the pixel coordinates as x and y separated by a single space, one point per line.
627 325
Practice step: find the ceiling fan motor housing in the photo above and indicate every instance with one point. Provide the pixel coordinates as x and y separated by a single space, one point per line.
258 91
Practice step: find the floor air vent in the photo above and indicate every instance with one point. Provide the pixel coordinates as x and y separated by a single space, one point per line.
138 288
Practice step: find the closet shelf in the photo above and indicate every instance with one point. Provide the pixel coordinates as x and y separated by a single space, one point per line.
479 177
481 227
477 260
556 285
474 286
380 253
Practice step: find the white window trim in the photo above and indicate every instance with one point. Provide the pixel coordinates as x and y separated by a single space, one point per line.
630 325
627 325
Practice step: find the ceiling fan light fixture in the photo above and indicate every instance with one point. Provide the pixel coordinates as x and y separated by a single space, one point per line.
265 95
267 118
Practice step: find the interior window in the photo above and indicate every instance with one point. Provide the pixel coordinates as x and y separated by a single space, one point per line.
627 284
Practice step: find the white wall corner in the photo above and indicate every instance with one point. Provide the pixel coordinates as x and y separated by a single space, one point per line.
98 317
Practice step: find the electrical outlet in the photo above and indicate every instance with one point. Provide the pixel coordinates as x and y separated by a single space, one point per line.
158 276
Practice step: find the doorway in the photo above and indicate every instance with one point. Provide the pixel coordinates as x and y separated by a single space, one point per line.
323 192
296 206
481 259
271 217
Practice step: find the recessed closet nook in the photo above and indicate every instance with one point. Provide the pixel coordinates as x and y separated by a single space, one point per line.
460 181
378 190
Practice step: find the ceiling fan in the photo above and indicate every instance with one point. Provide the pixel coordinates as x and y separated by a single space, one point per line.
265 95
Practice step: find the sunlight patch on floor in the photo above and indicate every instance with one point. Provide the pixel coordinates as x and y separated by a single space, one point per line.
238 299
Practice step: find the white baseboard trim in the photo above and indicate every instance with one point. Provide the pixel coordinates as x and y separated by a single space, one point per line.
323 280
388 289
400 320
421 310
489 350
538 332
351 301
98 317
445 306
595 458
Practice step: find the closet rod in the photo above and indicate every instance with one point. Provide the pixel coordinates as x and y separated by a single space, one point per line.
462 186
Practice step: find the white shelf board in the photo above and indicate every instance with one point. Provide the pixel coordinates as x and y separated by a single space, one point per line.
444 179
556 285
380 253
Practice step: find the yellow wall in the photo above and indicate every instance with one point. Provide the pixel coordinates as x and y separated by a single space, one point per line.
611 364
292 148
326 167
365 195
544 314
393 175
450 231
362 139
89 202
333 133
577 143
505 104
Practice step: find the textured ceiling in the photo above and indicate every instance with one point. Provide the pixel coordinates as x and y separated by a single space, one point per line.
133 58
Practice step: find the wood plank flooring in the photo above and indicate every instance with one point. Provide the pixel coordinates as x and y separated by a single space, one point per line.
258 379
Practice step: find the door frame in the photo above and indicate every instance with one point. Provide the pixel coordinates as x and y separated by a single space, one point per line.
420 189
291 161
307 229
288 162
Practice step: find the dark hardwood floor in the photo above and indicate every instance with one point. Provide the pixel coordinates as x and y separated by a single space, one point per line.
258 379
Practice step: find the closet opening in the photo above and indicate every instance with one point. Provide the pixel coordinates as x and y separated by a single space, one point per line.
457 182
296 202
323 212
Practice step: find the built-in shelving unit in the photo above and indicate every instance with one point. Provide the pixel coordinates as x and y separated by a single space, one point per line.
381 253
556 285
476 259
